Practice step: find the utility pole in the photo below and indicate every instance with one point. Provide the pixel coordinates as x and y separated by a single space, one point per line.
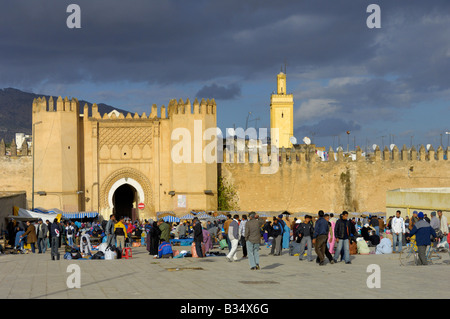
448 139
34 155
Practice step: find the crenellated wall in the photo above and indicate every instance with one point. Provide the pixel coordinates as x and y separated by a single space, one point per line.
80 157
303 182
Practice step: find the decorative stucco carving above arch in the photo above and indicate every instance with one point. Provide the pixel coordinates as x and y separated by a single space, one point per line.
125 173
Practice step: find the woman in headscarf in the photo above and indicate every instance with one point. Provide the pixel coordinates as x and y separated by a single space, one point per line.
331 237
286 230
12 225
207 240
155 236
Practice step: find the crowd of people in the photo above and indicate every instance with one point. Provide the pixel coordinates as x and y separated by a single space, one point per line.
336 238
332 238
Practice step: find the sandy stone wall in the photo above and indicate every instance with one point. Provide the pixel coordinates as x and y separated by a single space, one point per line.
16 175
305 184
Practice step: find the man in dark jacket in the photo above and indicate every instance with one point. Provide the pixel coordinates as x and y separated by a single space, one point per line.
305 232
320 237
276 234
41 236
55 234
109 231
198 237
343 230
253 239
423 232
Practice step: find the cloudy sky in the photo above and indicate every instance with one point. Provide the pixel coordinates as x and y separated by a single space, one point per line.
386 85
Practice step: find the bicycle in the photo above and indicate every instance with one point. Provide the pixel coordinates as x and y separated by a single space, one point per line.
411 251
432 254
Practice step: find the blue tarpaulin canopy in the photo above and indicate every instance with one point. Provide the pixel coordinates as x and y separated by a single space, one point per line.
79 215
171 219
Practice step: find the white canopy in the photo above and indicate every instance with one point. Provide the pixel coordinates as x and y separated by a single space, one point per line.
28 214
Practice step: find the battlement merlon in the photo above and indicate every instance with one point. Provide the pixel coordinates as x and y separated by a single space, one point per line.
40 104
300 156
204 107
174 108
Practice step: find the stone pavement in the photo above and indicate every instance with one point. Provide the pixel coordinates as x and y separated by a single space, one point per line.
36 276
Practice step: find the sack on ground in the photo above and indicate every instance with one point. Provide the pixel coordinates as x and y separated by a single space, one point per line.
98 255
194 251
110 254
353 248
363 248
223 244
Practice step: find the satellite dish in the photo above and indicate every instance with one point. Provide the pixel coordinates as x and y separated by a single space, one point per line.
374 146
307 140
392 146
231 131
293 140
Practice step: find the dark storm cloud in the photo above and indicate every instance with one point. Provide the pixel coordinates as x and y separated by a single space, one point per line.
177 41
369 73
219 92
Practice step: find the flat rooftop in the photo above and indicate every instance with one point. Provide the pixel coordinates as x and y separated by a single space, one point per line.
11 193
423 190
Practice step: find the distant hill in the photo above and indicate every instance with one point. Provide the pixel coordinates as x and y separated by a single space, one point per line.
16 111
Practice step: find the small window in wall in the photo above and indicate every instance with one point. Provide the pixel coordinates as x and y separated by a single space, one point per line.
282 115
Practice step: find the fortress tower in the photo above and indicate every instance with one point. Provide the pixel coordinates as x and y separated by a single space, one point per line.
124 164
282 114
57 154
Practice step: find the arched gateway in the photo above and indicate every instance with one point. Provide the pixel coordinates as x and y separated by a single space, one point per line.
111 162
123 190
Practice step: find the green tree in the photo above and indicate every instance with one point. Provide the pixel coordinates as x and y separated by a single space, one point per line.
227 196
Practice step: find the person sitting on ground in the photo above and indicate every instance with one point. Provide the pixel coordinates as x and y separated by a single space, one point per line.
165 250
384 247
365 232
374 239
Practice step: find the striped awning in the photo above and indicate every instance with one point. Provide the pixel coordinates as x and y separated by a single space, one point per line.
187 216
79 215
162 214
171 219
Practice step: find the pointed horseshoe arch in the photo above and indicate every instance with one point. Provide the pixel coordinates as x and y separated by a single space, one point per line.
131 177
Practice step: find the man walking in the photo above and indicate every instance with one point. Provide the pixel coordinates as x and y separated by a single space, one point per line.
242 235
70 232
342 231
305 232
233 235
109 231
253 239
444 226
226 224
120 233
198 237
398 230
55 233
423 232
320 237
41 236
276 234
30 233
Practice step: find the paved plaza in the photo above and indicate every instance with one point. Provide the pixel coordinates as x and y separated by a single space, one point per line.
36 276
